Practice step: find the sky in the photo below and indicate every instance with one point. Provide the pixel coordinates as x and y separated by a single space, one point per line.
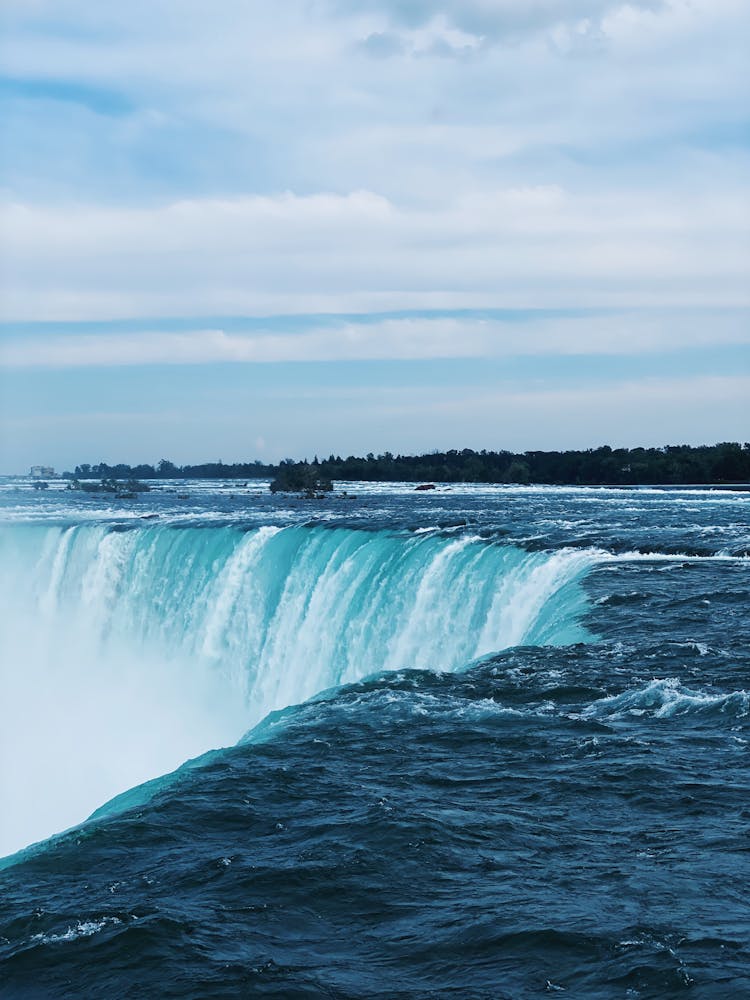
240 230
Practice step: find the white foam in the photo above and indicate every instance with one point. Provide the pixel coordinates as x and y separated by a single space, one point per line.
83 929
666 698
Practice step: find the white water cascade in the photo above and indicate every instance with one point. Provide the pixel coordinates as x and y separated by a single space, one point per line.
127 652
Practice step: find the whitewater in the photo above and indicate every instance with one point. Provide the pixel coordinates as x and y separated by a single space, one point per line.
435 684
143 647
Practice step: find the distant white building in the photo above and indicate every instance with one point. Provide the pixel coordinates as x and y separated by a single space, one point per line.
42 472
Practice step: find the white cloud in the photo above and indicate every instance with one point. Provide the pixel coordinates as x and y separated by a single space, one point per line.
495 20
520 247
416 338
289 87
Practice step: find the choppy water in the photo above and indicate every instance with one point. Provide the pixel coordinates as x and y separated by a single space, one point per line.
484 742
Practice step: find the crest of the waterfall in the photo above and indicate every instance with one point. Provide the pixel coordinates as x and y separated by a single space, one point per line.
134 650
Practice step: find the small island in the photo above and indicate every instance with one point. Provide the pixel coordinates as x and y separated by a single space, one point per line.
122 489
300 477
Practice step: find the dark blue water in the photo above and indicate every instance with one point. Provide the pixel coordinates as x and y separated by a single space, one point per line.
568 814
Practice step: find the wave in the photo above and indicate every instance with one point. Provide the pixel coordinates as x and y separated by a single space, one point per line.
676 557
665 698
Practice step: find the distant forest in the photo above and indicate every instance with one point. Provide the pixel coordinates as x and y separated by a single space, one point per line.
671 465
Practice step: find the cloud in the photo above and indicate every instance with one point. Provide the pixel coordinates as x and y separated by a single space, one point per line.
498 20
241 99
393 339
524 247
382 44
436 37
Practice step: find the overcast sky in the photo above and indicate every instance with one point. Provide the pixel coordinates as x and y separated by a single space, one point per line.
237 230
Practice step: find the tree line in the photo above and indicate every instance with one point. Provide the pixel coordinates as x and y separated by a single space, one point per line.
727 462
